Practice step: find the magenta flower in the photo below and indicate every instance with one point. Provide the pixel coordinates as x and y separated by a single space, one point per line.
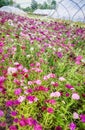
32 99
69 86
58 128
50 110
38 127
16 120
82 117
67 94
22 122
72 126
13 113
13 127
2 79
30 121
59 54
18 91
9 103
55 84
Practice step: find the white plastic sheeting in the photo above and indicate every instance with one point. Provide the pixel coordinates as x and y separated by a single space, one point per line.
45 12
14 10
70 10
66 9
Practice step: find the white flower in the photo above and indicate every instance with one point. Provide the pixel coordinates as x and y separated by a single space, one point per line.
11 70
31 49
83 60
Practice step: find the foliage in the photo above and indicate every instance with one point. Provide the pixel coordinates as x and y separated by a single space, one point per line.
5 2
34 5
53 4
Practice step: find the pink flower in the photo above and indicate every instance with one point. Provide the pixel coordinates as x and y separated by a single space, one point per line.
51 75
50 110
75 96
45 78
51 101
55 84
21 98
3 124
72 126
75 115
62 79
1 44
37 64
11 70
30 82
25 70
38 82
55 94
18 91
78 60
1 113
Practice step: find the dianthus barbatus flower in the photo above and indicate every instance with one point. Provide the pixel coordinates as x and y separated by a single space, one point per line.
13 127
82 117
1 113
2 79
72 126
75 96
11 70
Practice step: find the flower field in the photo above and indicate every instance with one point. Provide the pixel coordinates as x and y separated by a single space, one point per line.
42 74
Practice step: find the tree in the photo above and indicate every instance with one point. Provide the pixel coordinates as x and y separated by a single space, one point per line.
53 4
6 2
34 5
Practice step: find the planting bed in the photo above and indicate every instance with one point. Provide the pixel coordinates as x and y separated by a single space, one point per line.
42 74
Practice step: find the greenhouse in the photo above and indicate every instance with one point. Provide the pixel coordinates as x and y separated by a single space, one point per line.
71 10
